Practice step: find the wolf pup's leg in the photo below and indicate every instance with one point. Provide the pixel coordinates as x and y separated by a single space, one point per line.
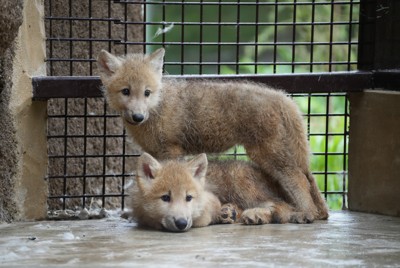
318 200
283 167
210 211
274 212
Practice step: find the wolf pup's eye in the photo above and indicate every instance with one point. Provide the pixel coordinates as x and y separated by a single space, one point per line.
126 91
189 198
166 198
147 92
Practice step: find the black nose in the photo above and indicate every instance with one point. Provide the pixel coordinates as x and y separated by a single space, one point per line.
181 223
138 118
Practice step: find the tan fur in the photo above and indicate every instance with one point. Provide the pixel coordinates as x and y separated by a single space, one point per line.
242 187
181 117
177 181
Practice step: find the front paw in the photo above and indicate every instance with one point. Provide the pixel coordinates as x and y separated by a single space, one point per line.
301 217
228 214
255 216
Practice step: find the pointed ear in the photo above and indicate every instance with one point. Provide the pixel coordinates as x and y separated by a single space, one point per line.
147 166
198 166
108 63
156 60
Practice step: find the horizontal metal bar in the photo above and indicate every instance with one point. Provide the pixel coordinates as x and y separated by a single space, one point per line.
87 196
232 3
235 24
82 19
92 176
220 63
90 116
387 79
90 86
91 156
46 87
232 43
111 136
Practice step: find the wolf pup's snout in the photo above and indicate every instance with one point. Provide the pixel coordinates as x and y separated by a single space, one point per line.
138 118
181 224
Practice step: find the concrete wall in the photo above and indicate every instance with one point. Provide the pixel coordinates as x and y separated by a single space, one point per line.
23 154
374 152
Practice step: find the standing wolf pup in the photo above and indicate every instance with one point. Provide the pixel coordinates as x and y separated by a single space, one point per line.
176 195
170 118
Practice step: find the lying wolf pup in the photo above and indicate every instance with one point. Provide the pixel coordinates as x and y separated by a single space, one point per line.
170 118
176 195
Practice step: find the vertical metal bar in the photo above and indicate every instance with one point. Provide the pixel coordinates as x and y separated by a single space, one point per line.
326 145
201 38
144 20
312 35
84 153
164 19
308 115
275 35
70 42
183 39
219 37
125 27
51 35
109 26
256 36
238 6
350 35
65 153
104 163
86 111
90 39
103 190
331 36
345 138
294 36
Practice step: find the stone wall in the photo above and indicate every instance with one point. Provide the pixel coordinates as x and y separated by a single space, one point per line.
23 158
10 20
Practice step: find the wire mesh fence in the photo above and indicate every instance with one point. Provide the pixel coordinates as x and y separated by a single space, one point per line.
92 159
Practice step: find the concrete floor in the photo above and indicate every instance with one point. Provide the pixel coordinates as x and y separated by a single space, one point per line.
346 239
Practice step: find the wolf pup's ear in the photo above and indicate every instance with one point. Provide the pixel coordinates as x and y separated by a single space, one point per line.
147 166
156 59
198 166
108 63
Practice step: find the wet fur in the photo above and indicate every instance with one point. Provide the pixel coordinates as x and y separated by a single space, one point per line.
182 117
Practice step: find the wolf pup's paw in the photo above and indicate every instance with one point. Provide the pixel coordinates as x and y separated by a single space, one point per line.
255 216
229 214
301 217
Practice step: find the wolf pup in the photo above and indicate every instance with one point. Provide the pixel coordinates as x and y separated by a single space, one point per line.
176 195
169 118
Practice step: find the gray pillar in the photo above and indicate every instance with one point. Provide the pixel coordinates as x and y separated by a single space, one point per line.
374 152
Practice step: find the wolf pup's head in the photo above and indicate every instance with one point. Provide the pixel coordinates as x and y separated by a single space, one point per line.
168 195
132 83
